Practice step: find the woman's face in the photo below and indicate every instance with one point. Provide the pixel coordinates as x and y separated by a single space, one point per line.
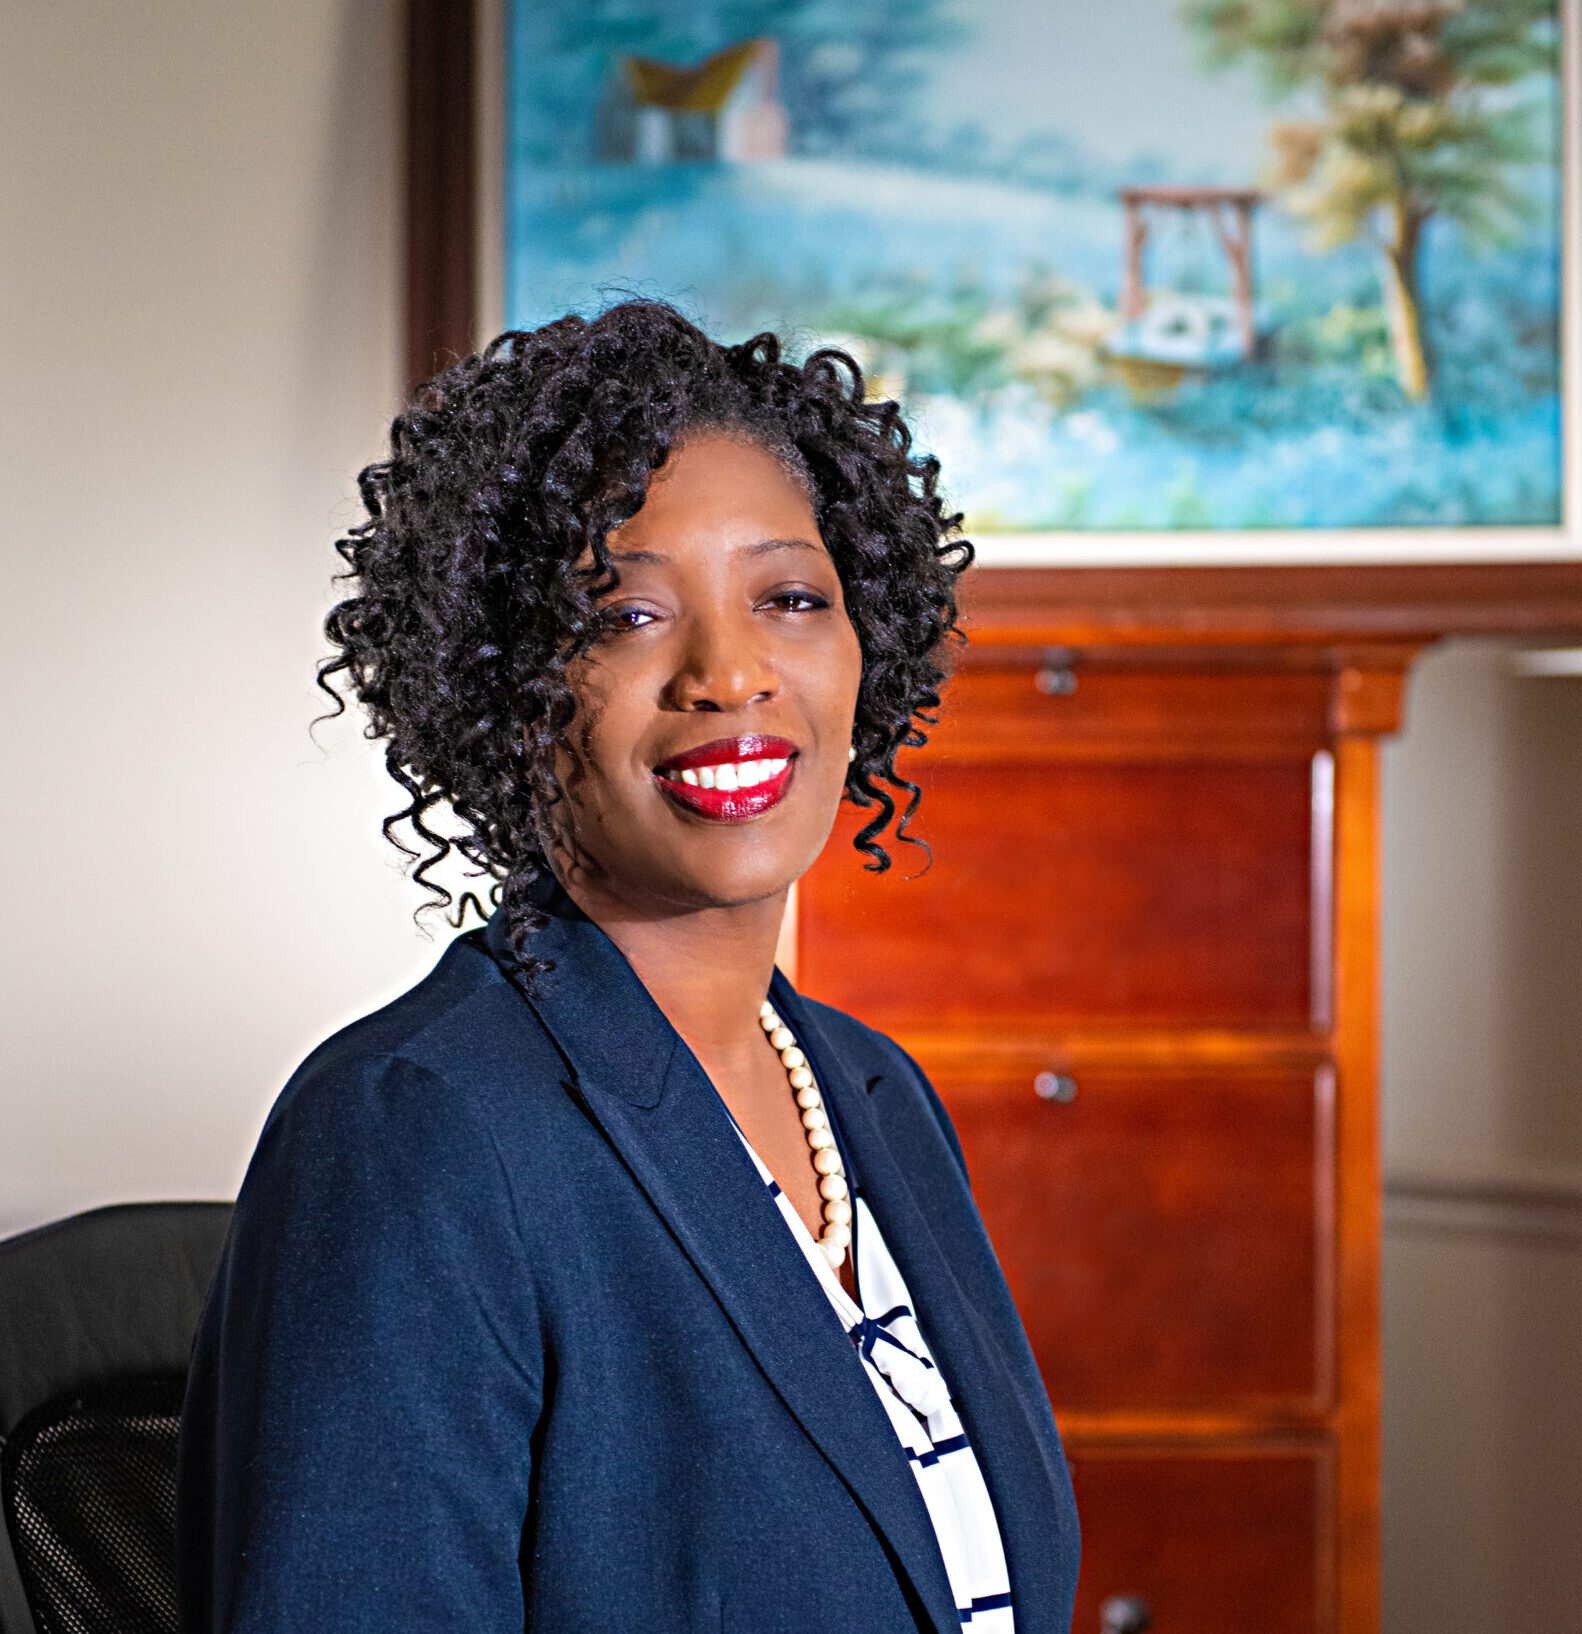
727 634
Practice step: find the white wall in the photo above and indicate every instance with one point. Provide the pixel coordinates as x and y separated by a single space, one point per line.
199 276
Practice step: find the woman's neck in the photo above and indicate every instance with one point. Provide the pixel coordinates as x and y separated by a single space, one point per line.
708 969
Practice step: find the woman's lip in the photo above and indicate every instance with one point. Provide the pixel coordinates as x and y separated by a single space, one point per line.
726 751
730 805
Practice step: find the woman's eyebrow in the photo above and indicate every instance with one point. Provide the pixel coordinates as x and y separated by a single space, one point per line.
759 547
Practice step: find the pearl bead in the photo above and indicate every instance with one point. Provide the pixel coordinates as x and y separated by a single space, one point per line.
836 1235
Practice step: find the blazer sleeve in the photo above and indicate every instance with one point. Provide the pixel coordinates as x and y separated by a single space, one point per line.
367 1372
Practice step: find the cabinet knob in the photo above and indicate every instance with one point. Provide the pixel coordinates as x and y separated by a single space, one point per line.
1125 1614
1056 675
1055 1086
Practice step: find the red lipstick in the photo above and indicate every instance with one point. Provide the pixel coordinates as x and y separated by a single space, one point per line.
765 763
721 751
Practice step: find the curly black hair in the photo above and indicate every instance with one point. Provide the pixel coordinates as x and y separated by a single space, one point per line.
511 465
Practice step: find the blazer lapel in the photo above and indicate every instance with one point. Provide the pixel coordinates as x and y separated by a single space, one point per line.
1016 1461
639 1080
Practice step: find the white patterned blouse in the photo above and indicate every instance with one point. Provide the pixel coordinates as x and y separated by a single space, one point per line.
916 1398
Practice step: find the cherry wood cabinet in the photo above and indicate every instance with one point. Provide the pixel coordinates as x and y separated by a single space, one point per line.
1141 971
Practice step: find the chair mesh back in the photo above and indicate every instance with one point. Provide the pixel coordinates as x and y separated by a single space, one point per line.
90 1500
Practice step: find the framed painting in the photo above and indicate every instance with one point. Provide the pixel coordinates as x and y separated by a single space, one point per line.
1260 282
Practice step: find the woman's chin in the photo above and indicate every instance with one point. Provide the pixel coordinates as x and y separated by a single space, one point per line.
744 891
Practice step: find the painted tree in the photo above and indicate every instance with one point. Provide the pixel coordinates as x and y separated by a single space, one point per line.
1426 109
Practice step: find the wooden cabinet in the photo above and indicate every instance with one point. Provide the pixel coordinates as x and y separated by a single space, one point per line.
1141 971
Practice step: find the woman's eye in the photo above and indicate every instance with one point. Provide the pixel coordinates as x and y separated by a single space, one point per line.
810 598
615 619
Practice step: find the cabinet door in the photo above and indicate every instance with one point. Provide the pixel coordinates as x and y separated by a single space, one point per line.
1150 892
1166 1233
1233 1540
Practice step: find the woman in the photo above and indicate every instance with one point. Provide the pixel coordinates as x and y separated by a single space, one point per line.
602 1281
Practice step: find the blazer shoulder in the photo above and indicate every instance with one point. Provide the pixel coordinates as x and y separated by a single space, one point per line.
456 1040
387 1133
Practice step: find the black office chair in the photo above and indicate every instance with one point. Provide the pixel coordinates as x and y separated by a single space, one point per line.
97 1314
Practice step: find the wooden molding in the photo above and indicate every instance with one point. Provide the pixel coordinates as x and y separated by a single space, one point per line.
1369 692
1508 1207
441 160
1081 607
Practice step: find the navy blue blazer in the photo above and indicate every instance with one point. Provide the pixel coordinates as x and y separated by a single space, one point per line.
506 1334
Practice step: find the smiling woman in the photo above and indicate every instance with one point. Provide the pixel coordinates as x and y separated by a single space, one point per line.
553 1298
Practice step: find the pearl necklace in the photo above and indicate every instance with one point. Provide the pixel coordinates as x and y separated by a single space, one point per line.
832 1185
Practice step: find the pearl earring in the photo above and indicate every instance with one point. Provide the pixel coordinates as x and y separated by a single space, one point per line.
851 753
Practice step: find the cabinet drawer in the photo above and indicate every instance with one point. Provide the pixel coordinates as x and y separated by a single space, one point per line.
1233 1541
1166 1235
1033 711
1148 892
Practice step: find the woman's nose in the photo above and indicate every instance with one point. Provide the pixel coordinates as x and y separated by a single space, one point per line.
722 666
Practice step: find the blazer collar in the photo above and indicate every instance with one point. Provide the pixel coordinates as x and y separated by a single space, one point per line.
639 1080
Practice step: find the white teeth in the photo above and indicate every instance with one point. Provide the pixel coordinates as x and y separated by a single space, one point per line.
737 774
753 772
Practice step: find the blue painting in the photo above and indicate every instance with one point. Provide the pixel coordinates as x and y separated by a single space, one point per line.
1172 264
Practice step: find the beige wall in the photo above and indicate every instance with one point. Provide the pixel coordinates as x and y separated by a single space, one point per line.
198 271
1483 1149
1483 923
